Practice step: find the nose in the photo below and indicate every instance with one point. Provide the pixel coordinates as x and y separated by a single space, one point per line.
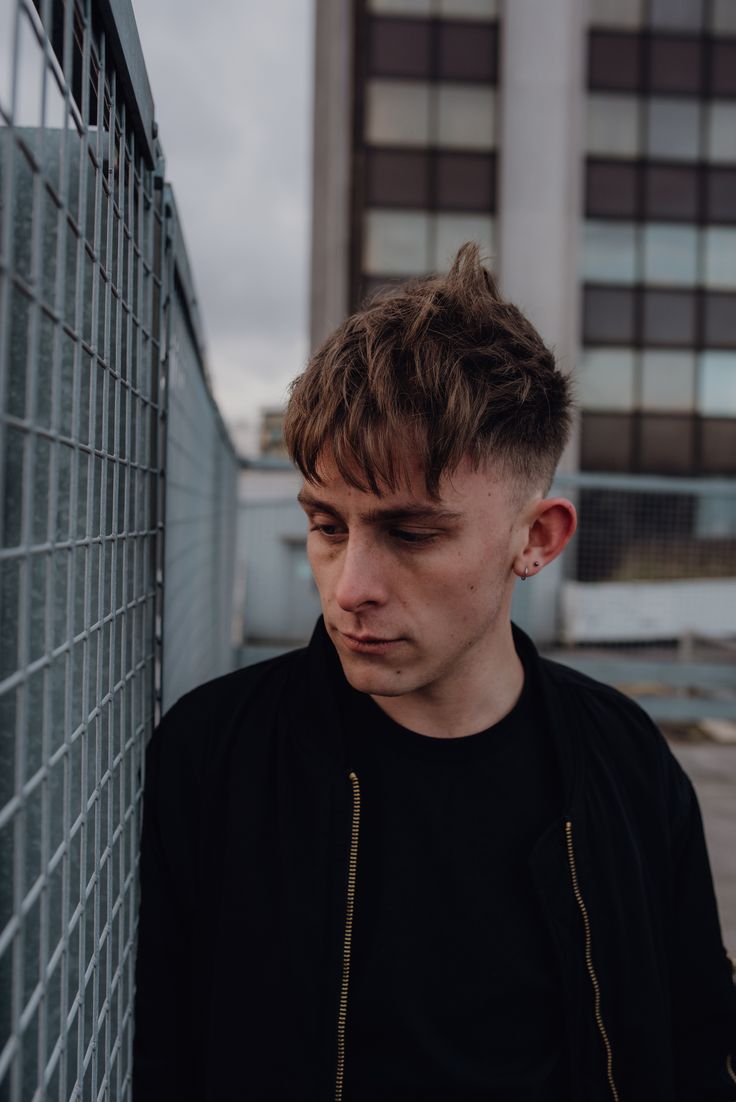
361 582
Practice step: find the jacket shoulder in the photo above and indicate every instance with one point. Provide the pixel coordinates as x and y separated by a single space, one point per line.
205 717
620 735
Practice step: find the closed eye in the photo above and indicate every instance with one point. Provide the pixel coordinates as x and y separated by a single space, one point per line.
413 537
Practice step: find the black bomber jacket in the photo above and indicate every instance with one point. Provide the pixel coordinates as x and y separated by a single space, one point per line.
247 888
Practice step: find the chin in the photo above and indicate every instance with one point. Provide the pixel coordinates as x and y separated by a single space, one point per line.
374 682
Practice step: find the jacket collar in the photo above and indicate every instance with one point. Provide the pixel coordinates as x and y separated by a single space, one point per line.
322 721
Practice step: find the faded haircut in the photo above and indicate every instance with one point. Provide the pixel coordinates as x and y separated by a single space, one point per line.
443 365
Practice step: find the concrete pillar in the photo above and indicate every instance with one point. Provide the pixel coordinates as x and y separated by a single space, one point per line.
540 203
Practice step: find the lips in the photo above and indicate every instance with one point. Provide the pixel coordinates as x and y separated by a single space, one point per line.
369 644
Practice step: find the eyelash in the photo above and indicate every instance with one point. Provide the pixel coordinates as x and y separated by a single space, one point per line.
416 539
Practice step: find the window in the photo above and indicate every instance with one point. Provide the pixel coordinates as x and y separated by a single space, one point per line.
453 230
466 116
718 445
606 441
399 47
669 317
468 9
667 380
677 14
615 13
721 194
608 315
402 7
465 181
614 61
670 254
670 191
720 320
673 129
723 69
724 16
675 64
396 242
609 252
610 189
397 177
721 131
612 125
397 112
606 379
666 444
717 379
467 51
720 257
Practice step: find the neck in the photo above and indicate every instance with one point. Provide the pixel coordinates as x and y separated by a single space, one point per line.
476 698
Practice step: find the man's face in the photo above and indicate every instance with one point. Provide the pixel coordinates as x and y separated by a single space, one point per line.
414 591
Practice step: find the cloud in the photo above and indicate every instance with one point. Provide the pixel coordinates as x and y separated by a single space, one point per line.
232 90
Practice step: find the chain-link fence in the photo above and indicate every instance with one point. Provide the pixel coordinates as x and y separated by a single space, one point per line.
649 597
85 272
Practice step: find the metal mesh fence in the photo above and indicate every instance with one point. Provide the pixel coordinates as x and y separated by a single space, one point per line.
654 559
648 599
81 534
201 492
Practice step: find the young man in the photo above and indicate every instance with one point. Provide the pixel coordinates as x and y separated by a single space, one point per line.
414 861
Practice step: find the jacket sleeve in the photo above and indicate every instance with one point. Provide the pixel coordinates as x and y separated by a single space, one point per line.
704 996
163 999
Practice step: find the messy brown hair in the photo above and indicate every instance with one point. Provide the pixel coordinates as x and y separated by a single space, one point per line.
443 364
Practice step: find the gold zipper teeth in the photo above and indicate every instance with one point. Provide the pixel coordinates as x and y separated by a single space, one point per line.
589 961
342 1012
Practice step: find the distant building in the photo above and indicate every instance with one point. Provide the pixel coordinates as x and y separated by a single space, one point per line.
589 147
272 444
591 150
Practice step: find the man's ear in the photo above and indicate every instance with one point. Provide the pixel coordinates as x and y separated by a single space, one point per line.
552 525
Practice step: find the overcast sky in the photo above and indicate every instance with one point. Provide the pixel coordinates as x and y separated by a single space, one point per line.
232 88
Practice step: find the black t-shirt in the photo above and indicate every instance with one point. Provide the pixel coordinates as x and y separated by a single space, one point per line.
454 993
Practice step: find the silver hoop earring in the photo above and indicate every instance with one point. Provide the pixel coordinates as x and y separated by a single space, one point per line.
525 575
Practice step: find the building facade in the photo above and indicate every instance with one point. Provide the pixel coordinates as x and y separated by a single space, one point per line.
590 149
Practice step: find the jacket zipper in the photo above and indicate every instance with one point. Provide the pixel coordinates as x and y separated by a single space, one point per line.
589 961
348 937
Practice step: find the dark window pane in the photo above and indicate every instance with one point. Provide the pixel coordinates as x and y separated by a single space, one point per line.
399 48
666 444
723 69
614 61
467 51
721 195
465 181
675 64
669 317
608 315
610 189
720 320
670 192
605 442
718 445
397 178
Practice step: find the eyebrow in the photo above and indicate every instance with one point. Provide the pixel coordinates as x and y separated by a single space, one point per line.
402 512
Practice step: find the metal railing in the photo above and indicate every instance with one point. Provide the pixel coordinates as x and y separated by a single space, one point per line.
91 284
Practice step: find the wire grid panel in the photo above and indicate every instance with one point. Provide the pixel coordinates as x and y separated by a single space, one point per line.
79 439
201 517
655 559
